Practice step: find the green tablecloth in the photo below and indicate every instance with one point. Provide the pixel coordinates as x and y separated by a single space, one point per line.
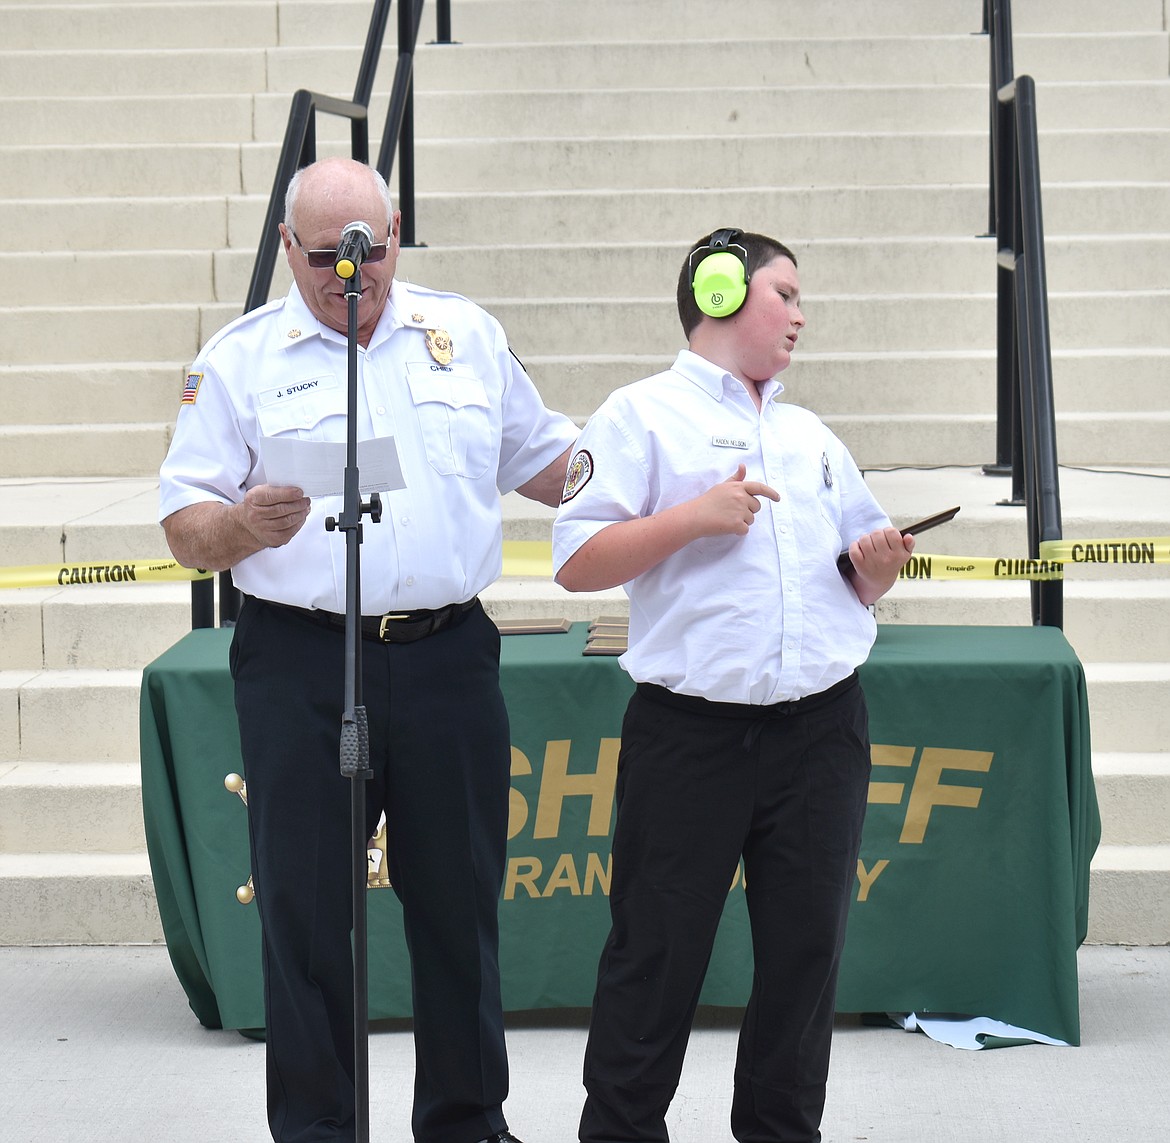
972 890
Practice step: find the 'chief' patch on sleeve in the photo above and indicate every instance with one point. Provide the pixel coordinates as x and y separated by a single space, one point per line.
191 388
580 470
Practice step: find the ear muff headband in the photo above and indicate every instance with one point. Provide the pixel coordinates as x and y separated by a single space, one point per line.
720 279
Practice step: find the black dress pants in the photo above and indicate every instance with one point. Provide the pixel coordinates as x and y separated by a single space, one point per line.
440 756
699 786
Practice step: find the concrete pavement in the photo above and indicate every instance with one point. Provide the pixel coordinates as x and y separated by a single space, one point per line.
100 1046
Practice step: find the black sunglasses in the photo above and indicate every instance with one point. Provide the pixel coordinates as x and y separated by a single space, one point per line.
325 259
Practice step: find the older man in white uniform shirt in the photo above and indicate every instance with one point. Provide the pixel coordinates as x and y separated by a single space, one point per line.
436 373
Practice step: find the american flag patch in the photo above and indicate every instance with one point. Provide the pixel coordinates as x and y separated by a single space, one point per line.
191 388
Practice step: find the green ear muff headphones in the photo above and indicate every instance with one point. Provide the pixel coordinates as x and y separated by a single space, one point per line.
720 280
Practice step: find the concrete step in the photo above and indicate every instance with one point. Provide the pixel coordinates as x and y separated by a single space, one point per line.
488 20
179 117
137 170
121 277
675 217
679 215
744 110
476 20
574 164
1132 503
854 266
873 158
944 264
843 323
77 899
735 111
128 449
75 807
1110 621
10 684
1133 791
92 627
941 265
102 334
109 899
1112 54
1129 705
830 384
53 520
1137 438
89 715
30 27
1129 895
1132 438
256 23
117 71
191 69
105 224
88 394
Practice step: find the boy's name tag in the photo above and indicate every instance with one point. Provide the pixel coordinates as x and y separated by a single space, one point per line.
728 442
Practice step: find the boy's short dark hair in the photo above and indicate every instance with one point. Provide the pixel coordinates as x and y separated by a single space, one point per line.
760 251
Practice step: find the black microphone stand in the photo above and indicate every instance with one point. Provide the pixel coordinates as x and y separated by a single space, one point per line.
355 736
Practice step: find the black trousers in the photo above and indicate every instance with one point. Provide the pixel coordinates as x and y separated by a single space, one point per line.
440 755
699 786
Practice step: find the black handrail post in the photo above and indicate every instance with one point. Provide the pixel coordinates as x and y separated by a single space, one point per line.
364 87
359 140
203 603
398 133
406 171
1027 403
443 22
1047 488
1011 332
997 15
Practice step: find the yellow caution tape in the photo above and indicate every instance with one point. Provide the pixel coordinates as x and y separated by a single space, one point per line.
528 558
1127 550
533 559
979 567
99 572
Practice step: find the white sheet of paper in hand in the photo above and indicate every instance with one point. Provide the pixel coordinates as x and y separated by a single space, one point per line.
318 467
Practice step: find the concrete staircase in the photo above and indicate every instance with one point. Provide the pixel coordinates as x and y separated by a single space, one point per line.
567 155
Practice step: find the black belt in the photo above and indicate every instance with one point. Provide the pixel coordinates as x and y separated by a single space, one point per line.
394 626
745 711
755 716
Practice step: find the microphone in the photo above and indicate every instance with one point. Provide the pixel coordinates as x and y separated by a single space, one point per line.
352 250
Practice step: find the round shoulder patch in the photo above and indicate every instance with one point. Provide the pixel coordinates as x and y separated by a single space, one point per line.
580 470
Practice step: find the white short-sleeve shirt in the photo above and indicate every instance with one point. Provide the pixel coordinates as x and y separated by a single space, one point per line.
761 618
466 431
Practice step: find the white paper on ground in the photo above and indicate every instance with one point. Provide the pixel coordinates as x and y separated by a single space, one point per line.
968 1032
318 467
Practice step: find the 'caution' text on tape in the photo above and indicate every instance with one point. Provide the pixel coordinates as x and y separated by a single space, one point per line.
98 572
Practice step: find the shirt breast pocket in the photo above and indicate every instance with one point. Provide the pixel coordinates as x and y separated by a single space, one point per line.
454 418
317 415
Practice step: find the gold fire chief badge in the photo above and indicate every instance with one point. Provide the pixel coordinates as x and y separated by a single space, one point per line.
440 345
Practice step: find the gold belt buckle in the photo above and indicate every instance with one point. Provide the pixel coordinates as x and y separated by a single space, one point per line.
387 619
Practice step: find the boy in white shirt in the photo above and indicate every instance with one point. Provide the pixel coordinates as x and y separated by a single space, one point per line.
723 511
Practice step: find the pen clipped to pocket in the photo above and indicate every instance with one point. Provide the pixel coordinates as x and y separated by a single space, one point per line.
844 563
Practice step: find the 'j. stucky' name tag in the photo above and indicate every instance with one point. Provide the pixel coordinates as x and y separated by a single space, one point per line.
728 442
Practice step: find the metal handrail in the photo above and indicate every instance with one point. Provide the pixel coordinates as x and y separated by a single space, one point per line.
300 148
1025 413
